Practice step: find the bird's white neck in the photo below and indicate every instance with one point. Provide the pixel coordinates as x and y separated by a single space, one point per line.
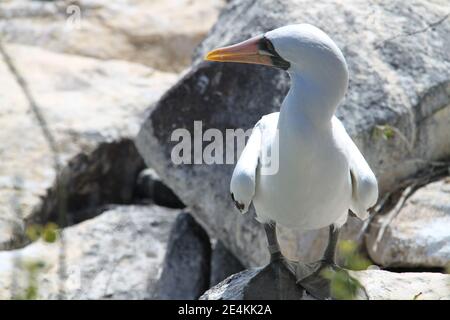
314 98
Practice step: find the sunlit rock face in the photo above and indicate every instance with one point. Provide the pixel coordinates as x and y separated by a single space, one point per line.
93 109
397 108
117 255
161 34
418 236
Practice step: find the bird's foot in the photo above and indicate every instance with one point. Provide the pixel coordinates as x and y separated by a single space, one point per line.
283 262
315 277
275 281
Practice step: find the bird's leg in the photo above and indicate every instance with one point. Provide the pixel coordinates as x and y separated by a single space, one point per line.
277 279
274 248
272 242
329 256
310 275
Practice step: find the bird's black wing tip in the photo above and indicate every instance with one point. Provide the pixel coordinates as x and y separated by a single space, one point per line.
239 206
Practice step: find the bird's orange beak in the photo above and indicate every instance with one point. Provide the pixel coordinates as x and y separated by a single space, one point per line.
247 51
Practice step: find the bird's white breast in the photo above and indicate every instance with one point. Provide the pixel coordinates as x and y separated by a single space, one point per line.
312 187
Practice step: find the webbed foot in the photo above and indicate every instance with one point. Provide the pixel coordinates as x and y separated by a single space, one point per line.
275 281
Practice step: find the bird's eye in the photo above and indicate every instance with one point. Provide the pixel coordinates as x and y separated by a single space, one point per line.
270 46
266 47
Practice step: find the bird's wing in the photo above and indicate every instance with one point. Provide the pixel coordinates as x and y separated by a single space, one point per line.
242 186
364 182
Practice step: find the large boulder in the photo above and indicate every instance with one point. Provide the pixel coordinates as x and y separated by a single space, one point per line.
376 285
397 108
117 255
223 264
419 234
257 284
93 110
186 269
158 33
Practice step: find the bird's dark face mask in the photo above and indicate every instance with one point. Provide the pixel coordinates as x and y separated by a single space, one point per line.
257 50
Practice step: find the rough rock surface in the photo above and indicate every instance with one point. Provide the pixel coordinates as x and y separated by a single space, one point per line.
186 269
158 33
379 285
384 285
246 285
419 236
231 288
117 255
89 104
223 264
399 68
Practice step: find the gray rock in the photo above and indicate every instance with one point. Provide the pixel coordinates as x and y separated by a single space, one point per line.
93 109
158 33
399 78
231 288
150 187
116 255
186 268
223 264
384 285
257 284
378 285
419 236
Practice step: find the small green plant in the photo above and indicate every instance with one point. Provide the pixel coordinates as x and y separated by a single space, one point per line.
387 132
343 285
353 260
32 269
49 232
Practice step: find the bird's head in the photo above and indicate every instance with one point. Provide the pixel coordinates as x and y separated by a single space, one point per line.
300 49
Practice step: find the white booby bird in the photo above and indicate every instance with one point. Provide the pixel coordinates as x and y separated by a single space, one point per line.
316 174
